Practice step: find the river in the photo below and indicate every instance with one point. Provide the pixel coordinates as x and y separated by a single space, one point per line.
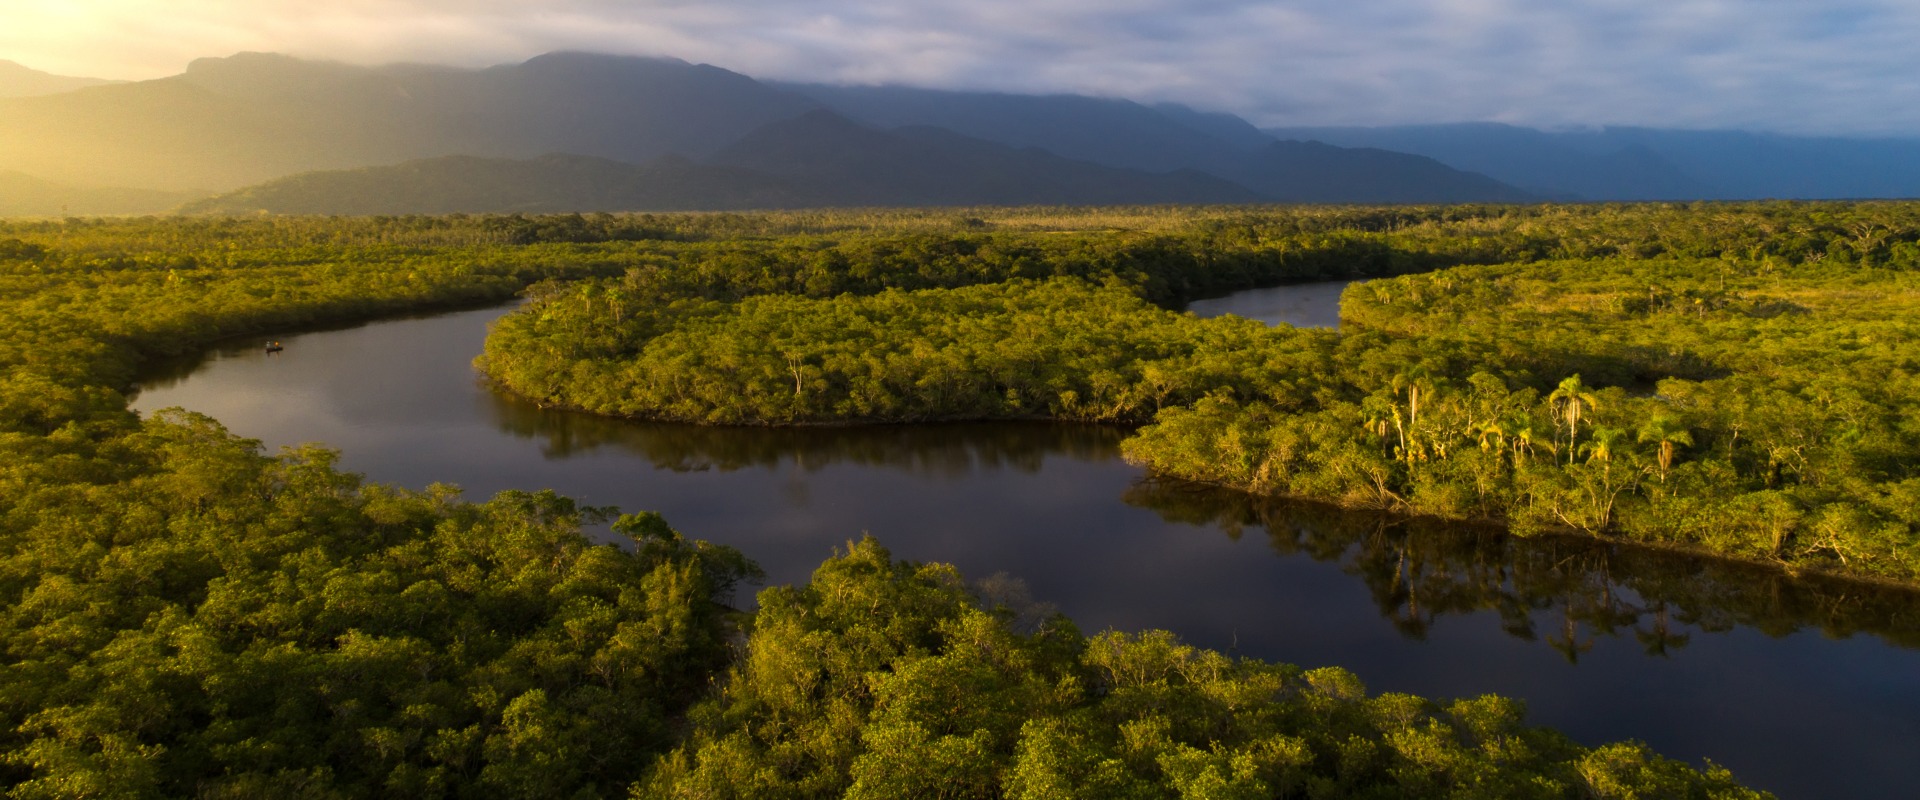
1806 688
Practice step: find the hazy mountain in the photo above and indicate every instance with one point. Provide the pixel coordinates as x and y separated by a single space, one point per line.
1739 165
251 118
1164 138
1116 133
1545 163
1651 164
817 159
553 183
855 165
1220 125
20 81
1316 172
27 196
234 121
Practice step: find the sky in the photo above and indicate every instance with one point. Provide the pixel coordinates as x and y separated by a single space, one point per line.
1849 67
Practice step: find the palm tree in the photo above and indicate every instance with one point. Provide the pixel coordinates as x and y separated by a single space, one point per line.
588 291
1375 413
1493 435
1409 383
616 300
1570 403
1417 383
1604 441
1668 433
1525 435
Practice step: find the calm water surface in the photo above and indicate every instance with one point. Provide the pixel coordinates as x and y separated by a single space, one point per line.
1806 689
1302 305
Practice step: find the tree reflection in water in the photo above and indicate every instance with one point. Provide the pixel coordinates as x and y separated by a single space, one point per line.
1563 590
934 450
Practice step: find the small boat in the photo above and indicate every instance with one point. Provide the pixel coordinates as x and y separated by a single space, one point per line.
274 347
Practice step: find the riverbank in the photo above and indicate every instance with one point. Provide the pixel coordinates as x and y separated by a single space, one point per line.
377 638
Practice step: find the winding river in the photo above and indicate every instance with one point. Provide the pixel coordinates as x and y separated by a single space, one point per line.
1806 688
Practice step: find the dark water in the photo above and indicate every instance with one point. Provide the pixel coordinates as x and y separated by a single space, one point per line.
1808 689
1302 305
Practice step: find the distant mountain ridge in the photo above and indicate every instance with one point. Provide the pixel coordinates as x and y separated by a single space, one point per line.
17 80
1117 133
822 159
272 126
856 165
1621 163
276 126
231 122
548 184
1317 172
1169 137
816 160
27 196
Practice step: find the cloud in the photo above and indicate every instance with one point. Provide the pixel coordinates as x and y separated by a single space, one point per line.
1843 66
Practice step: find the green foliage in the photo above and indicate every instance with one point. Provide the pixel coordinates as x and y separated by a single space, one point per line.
1716 423
216 621
888 679
1729 378
181 614
185 616
1059 349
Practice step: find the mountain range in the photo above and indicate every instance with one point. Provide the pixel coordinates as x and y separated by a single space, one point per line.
818 159
21 81
1624 163
575 131
23 195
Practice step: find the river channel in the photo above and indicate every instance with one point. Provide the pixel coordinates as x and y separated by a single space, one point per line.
1810 689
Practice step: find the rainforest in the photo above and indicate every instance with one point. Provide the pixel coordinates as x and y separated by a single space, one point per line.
1703 378
186 614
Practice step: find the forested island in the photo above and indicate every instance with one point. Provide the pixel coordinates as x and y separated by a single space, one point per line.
1735 379
185 615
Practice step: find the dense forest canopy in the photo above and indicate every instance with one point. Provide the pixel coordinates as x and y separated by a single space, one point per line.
1736 379
185 615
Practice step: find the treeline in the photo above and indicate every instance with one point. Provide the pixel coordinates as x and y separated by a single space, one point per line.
1756 411
949 692
1876 233
1562 591
211 622
1059 349
1731 378
181 615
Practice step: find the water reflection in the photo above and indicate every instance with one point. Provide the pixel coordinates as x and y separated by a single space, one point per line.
1302 305
1411 605
1560 590
946 450
168 372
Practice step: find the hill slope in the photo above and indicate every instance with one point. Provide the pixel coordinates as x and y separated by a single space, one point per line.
1654 164
240 121
1116 133
815 160
17 80
823 159
468 184
853 165
1316 172
235 121
1167 137
23 195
